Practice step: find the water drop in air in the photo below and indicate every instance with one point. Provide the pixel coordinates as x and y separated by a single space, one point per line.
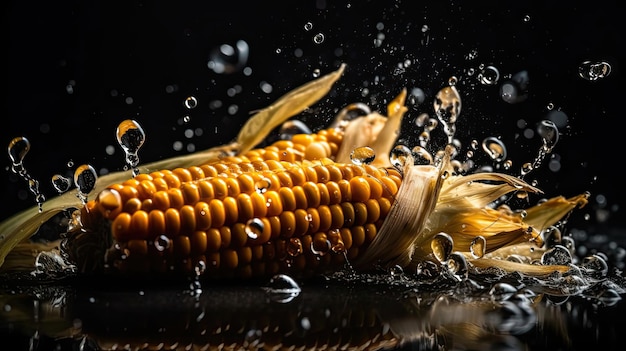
447 105
495 148
130 136
489 76
17 149
61 183
593 71
85 178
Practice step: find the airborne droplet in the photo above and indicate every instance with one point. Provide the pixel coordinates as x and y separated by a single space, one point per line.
489 76
447 105
398 156
593 71
495 148
422 156
18 148
191 102
131 137
85 178
61 183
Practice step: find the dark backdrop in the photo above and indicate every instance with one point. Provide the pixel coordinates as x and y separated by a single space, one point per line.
75 69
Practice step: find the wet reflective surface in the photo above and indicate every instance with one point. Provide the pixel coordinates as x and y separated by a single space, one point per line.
368 314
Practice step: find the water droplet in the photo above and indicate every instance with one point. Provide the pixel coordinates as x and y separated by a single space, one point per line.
549 134
447 105
478 246
319 248
336 241
495 148
191 102
399 155
262 185
254 228
282 288
527 167
489 75
85 178
595 266
422 156
442 245
61 183
294 247
18 148
318 38
558 255
363 155
162 243
130 136
457 265
594 70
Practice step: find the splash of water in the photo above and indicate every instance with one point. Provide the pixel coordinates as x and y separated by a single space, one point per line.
18 148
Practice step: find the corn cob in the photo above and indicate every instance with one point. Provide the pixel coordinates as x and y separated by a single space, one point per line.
267 211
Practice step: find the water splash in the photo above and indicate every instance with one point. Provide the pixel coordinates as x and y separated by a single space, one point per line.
447 105
18 148
549 134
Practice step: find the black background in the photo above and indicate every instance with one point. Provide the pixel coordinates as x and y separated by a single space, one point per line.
108 52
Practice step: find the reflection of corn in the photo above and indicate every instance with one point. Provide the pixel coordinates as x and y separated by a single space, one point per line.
284 207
